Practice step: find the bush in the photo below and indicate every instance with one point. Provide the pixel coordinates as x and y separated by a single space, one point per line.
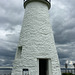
67 74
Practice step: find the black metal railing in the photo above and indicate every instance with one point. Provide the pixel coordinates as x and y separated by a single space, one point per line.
45 0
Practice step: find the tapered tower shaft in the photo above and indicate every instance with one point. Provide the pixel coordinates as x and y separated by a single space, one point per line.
36 53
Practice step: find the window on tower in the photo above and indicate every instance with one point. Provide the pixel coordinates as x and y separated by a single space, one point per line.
19 52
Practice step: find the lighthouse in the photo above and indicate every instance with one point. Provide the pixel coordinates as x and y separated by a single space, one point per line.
36 53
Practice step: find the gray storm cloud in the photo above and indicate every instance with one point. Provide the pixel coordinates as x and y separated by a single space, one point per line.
62 18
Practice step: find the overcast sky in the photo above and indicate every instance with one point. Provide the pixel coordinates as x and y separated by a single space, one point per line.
62 18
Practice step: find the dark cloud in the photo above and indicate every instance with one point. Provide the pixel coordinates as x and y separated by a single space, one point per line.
7 56
66 52
62 18
11 14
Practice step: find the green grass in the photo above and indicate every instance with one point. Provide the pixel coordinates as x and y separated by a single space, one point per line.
67 74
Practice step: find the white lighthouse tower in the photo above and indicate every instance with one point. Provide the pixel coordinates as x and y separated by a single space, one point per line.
36 53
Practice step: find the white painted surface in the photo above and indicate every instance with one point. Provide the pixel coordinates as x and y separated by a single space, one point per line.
37 40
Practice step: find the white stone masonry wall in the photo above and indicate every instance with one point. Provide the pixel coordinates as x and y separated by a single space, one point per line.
37 41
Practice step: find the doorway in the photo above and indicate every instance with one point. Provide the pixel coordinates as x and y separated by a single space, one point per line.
43 67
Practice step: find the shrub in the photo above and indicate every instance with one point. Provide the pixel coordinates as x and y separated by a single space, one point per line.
67 74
